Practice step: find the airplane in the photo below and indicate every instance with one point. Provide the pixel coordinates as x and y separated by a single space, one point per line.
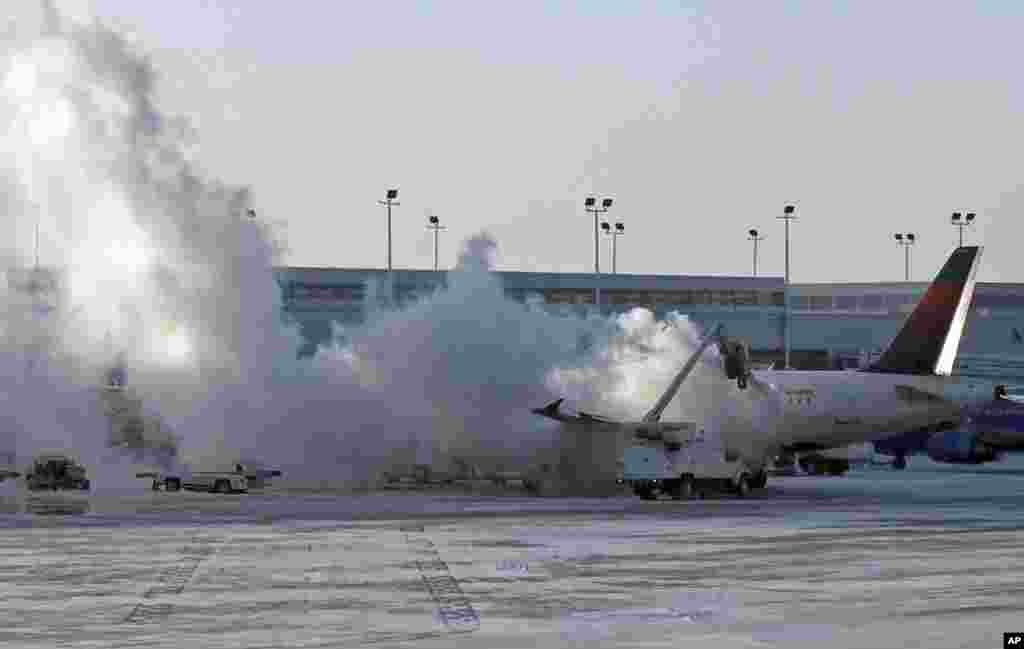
987 434
909 388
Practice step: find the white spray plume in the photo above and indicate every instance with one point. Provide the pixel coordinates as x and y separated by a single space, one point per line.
162 266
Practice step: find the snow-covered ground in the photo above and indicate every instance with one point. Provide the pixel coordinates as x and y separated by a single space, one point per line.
875 559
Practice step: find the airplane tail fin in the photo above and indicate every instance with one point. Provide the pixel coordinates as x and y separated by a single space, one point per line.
929 339
659 407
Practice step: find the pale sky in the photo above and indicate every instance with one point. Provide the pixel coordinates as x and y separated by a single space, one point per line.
701 120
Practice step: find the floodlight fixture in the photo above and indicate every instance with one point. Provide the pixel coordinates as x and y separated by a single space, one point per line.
615 234
959 223
787 216
389 202
906 240
435 225
755 238
590 205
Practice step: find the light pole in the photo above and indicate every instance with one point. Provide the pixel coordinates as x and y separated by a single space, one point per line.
388 202
619 230
435 225
787 216
590 205
966 222
753 237
906 240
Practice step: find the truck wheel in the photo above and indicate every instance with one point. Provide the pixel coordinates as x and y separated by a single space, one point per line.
743 486
172 484
222 487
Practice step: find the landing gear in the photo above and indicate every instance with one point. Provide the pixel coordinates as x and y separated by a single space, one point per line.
681 489
899 462
645 493
743 486
759 480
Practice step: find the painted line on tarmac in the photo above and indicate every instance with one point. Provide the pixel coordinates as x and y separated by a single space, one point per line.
453 606
172 581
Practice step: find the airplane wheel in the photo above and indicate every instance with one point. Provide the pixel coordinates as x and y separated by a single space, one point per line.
222 486
743 486
900 462
760 481
685 488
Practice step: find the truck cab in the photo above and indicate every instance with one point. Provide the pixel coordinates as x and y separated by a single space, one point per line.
694 464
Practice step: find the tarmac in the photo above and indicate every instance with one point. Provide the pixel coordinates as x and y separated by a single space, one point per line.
923 558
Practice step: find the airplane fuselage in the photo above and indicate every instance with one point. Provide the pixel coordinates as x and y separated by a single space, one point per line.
837 408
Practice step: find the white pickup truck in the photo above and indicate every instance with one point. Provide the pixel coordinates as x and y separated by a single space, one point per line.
691 465
223 481
237 479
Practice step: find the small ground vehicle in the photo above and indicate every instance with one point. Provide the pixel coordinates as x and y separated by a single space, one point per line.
225 481
56 471
694 465
7 463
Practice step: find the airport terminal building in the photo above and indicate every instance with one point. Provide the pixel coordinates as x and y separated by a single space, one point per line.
828 322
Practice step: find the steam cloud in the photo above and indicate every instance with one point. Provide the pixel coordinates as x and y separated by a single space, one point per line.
160 265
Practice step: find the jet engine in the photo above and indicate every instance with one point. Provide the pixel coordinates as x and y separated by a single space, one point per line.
959 447
736 359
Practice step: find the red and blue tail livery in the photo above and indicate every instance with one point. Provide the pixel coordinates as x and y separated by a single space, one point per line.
929 339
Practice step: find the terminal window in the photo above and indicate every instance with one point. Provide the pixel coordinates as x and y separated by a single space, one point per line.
327 292
871 302
745 298
846 302
821 302
896 301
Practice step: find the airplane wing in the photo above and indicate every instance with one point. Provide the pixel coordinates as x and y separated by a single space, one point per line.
553 411
586 416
